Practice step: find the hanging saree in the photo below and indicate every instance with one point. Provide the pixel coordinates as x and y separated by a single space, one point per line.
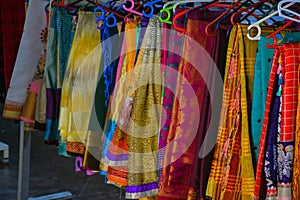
190 183
28 57
115 145
262 70
270 165
169 68
289 60
287 56
60 38
80 78
260 184
232 174
111 45
115 148
143 122
29 108
106 139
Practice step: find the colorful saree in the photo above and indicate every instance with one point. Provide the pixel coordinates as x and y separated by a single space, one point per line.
111 45
28 57
29 108
232 174
115 148
260 184
170 67
60 38
287 56
190 183
270 165
145 92
262 69
289 60
80 82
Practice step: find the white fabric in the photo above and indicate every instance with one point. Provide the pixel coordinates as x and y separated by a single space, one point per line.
29 52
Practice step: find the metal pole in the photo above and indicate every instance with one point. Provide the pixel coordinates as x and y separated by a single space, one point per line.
24 164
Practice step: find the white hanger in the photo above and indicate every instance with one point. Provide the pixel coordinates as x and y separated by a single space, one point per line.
257 26
169 3
281 14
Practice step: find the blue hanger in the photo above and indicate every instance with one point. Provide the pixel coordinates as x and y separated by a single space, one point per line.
151 5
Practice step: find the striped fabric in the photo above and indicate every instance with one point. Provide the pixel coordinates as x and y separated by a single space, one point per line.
260 192
232 174
288 57
290 63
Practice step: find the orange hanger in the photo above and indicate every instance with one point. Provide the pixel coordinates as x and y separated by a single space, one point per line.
208 27
248 11
273 35
208 5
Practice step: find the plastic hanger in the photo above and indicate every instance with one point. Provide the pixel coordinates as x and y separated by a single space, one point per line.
257 24
168 13
282 10
208 28
253 7
243 7
183 30
130 13
131 8
166 5
166 10
106 19
151 5
273 35
107 9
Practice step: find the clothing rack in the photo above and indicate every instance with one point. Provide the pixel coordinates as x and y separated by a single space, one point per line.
24 171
